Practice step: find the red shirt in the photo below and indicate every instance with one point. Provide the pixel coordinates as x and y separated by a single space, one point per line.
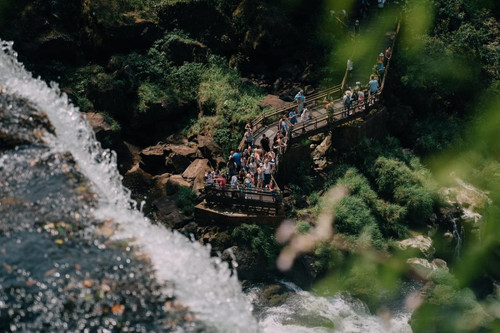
222 181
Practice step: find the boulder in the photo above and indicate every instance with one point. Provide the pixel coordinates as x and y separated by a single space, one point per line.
173 183
422 243
160 182
165 210
153 159
196 172
97 122
164 157
321 150
137 181
273 101
210 150
423 267
317 138
249 264
180 157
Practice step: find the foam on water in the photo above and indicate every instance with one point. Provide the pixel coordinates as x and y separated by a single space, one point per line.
304 312
200 281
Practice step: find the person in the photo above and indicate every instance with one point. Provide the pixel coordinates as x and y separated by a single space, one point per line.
381 70
388 54
305 116
237 159
231 166
350 66
347 102
267 172
272 188
248 138
380 59
361 98
264 142
283 125
209 181
300 99
292 117
248 186
381 3
234 186
373 84
260 177
248 126
221 181
356 27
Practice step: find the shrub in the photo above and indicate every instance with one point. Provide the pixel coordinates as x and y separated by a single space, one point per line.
260 239
352 215
303 227
186 200
327 257
417 201
391 174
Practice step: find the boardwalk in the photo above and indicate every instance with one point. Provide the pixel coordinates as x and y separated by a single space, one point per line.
376 34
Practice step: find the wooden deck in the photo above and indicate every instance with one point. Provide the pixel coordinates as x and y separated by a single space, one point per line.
258 206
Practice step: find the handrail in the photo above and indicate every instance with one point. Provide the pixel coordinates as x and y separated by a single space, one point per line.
337 114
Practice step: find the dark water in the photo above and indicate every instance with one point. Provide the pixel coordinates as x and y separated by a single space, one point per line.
59 270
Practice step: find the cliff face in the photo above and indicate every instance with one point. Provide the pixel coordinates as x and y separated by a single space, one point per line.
373 126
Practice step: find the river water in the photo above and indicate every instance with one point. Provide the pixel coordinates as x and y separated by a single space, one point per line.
76 254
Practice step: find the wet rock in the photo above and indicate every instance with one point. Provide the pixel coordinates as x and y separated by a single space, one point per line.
165 210
20 123
274 295
309 90
419 242
249 265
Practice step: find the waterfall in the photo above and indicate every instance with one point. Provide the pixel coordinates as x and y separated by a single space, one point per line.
457 233
203 283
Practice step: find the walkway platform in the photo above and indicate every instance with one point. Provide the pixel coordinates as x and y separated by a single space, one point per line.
206 213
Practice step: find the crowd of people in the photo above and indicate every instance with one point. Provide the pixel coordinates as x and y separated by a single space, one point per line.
355 98
253 168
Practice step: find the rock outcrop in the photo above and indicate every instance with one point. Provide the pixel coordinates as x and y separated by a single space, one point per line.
420 243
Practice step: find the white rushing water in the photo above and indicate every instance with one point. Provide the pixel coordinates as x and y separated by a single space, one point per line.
303 312
203 283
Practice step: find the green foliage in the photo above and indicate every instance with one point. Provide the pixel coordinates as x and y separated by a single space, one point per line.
226 138
149 94
303 227
353 214
327 257
405 184
416 200
186 200
260 239
448 308
314 199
